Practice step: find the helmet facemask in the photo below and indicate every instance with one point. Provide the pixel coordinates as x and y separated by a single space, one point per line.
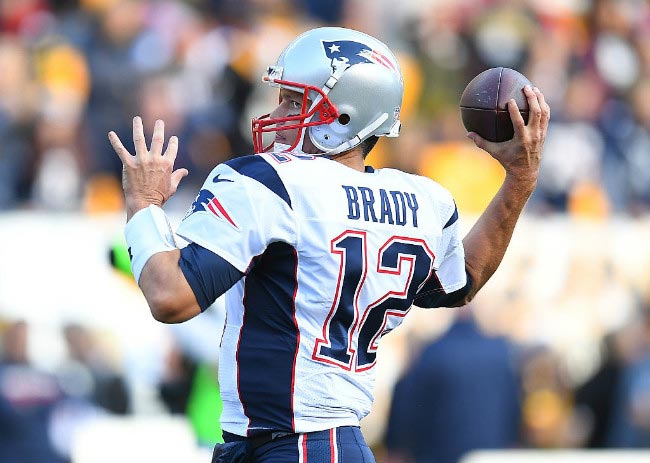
321 111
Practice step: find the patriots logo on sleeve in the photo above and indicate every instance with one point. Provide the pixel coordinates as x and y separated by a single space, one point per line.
349 53
206 202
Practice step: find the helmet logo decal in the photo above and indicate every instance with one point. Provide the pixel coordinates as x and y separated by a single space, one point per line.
348 53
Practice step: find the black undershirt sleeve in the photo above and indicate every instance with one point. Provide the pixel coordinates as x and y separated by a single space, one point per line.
432 294
208 274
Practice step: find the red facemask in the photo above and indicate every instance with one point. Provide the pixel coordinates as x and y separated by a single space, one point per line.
323 112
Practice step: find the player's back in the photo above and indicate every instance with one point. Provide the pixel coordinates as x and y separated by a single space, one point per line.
348 252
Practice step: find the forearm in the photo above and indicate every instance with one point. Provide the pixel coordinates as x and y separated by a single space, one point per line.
487 241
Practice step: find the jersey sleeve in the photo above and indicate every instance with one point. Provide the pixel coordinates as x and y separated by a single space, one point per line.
242 207
208 274
449 282
451 272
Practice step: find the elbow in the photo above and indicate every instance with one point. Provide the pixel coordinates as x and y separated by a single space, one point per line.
164 308
162 315
161 312
169 301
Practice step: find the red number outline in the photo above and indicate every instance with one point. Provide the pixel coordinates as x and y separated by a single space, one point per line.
324 340
360 317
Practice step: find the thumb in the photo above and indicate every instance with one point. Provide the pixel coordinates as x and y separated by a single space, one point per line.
177 176
480 141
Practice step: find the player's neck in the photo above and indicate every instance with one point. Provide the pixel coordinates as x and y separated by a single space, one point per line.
352 159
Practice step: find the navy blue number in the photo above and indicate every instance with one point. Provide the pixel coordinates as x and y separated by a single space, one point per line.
335 346
395 258
346 323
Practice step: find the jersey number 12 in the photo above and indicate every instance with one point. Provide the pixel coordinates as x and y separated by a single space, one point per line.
351 331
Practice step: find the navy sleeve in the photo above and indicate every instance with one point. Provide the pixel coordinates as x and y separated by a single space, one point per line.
208 274
433 295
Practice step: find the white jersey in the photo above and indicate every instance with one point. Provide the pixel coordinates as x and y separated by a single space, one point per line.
333 259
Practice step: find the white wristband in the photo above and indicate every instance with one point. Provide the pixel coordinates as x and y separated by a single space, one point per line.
147 233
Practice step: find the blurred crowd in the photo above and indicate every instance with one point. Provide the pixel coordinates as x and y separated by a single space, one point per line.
75 69
466 388
40 409
45 408
471 390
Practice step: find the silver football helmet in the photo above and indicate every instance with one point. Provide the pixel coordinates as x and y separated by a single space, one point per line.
353 81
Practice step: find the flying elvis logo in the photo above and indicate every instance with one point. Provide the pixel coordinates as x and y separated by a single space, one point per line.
206 201
350 53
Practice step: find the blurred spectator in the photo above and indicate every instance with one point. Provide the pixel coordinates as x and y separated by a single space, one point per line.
28 397
189 385
17 102
596 396
549 419
327 13
91 388
627 131
461 394
87 373
191 388
115 78
630 426
574 131
176 384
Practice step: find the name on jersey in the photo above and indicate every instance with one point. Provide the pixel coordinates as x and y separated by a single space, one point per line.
382 206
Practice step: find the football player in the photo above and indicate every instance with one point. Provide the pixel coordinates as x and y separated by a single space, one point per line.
318 254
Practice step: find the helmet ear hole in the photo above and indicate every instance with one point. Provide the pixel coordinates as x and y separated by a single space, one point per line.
344 119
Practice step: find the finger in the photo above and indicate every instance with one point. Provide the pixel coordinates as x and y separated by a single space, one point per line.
480 142
546 109
119 148
172 149
517 119
534 110
177 176
138 137
158 138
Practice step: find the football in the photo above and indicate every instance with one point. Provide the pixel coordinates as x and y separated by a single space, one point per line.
484 103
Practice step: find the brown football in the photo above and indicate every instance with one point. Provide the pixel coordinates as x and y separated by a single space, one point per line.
484 103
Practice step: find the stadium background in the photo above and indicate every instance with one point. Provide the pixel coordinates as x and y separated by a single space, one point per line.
572 296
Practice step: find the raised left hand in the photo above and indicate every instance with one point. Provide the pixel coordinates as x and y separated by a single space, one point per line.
148 177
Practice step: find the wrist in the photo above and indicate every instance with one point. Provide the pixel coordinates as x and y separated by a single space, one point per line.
135 205
148 233
517 190
522 181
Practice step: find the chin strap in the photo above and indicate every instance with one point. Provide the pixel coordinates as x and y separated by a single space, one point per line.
358 138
